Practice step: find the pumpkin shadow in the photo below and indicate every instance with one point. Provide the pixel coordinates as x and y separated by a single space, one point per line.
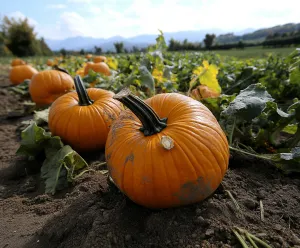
107 218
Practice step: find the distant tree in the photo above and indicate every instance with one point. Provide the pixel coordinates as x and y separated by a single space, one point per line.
241 45
119 46
81 52
208 40
63 52
98 50
135 49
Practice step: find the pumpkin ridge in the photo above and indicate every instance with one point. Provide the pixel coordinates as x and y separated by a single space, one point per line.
203 138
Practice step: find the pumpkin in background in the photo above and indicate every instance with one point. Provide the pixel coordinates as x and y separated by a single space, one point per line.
19 73
166 151
17 62
83 118
50 62
97 67
88 56
48 85
98 59
202 92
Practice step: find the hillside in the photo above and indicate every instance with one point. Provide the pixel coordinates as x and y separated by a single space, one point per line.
258 35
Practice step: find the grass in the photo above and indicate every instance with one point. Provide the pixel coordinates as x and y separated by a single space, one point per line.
256 52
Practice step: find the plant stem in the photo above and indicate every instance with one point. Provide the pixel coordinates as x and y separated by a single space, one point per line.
250 154
151 122
84 99
240 238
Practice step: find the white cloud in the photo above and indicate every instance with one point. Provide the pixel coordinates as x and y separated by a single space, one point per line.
19 15
56 6
146 17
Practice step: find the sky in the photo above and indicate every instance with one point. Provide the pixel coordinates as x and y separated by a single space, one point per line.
54 19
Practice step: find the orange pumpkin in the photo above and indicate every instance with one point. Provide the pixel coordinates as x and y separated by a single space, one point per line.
98 59
46 86
97 67
202 92
50 62
19 73
88 56
17 62
166 151
83 119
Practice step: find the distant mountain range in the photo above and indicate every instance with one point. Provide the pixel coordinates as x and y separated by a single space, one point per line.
140 41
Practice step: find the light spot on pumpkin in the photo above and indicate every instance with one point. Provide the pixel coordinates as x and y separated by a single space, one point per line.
167 142
130 158
193 191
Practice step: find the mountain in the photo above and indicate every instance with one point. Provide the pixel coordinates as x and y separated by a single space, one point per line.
88 43
141 41
258 35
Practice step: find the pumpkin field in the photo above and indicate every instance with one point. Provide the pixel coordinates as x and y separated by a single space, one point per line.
152 149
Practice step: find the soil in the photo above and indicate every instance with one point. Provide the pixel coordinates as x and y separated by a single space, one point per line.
93 213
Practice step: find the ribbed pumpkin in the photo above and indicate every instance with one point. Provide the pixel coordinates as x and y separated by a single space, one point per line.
83 119
16 62
46 86
98 59
97 67
166 151
19 73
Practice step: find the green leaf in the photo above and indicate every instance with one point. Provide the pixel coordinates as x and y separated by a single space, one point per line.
33 140
146 78
249 103
56 168
41 116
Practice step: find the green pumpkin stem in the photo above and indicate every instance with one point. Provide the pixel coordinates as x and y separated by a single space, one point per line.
151 122
84 99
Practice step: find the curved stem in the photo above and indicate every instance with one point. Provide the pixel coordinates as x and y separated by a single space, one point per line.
84 99
56 67
151 122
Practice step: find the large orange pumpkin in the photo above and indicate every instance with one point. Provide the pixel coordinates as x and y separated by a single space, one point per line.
97 67
98 59
16 62
19 73
83 119
166 151
48 85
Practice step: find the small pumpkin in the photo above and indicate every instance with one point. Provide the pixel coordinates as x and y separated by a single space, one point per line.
20 73
166 151
97 67
83 119
98 59
48 85
88 56
50 62
16 62
202 92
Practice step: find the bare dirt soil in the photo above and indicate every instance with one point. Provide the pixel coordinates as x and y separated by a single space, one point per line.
93 213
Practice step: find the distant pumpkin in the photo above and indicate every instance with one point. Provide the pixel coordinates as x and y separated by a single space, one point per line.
17 62
88 56
202 92
46 86
20 73
50 62
97 67
98 59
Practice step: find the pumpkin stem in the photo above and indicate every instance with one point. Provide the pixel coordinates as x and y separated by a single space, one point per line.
84 99
152 124
56 67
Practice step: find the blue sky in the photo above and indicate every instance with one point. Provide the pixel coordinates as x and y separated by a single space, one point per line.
105 18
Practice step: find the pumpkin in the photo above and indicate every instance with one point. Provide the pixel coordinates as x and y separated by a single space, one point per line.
20 73
166 151
50 62
88 56
97 67
48 85
202 92
17 62
83 118
98 59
